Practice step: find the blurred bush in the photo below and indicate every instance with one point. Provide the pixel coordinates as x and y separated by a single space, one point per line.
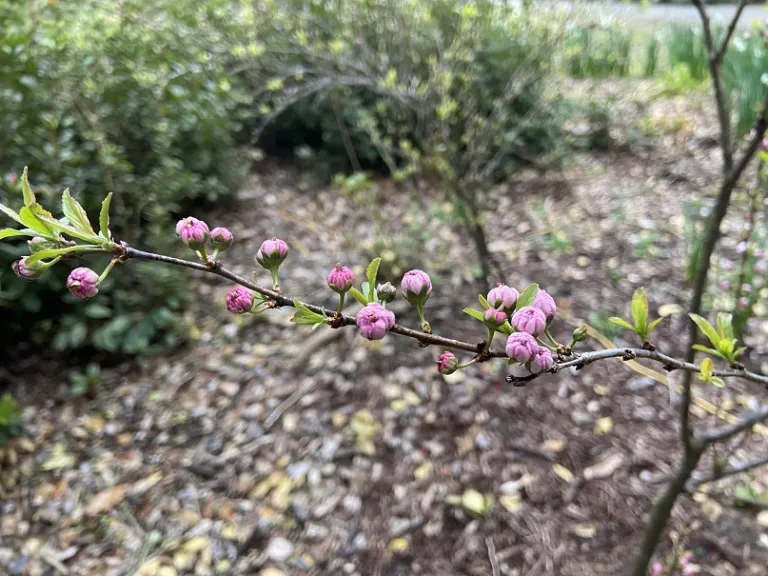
131 97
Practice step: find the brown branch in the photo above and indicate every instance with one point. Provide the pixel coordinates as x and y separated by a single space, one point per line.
726 432
694 483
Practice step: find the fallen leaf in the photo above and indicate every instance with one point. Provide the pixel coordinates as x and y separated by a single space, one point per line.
603 426
424 471
143 485
105 500
397 545
586 530
563 473
605 468
511 502
601 390
197 544
476 503
670 310
59 459
762 519
552 445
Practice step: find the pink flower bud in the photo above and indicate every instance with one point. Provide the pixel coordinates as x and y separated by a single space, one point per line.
657 569
529 319
503 297
221 238
272 253
25 272
546 304
340 279
374 321
239 300
193 232
83 283
13 177
37 244
742 247
494 318
542 361
447 364
725 285
521 347
416 287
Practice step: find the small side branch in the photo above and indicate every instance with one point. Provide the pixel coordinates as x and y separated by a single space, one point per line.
746 423
694 483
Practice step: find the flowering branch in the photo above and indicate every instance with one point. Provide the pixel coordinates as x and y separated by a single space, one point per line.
578 361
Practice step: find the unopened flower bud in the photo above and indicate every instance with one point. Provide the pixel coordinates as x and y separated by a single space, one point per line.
580 334
542 361
494 318
447 363
272 253
193 232
221 238
521 347
37 244
529 319
340 279
239 300
374 321
657 569
503 297
416 287
83 283
546 304
387 292
25 272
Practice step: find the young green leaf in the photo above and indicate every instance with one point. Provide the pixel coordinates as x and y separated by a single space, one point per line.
483 301
474 313
32 221
104 217
359 296
370 273
52 253
706 350
725 325
655 323
640 312
11 233
59 227
26 190
505 328
706 328
10 213
621 322
706 369
527 297
718 382
75 213
305 316
738 352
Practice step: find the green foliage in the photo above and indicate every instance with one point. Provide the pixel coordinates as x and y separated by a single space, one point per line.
744 73
131 97
82 383
639 308
722 340
686 47
593 51
11 422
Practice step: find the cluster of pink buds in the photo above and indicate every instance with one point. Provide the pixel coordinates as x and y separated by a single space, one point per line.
196 234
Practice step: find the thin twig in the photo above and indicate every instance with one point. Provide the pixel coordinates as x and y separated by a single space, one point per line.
694 483
286 404
495 570
746 423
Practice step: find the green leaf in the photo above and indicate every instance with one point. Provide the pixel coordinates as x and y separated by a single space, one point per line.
32 221
10 213
706 329
706 369
621 322
370 273
29 196
505 328
52 253
305 316
527 297
104 217
706 350
61 228
11 233
474 313
655 323
726 347
359 296
483 301
738 352
640 312
725 325
75 213
717 381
